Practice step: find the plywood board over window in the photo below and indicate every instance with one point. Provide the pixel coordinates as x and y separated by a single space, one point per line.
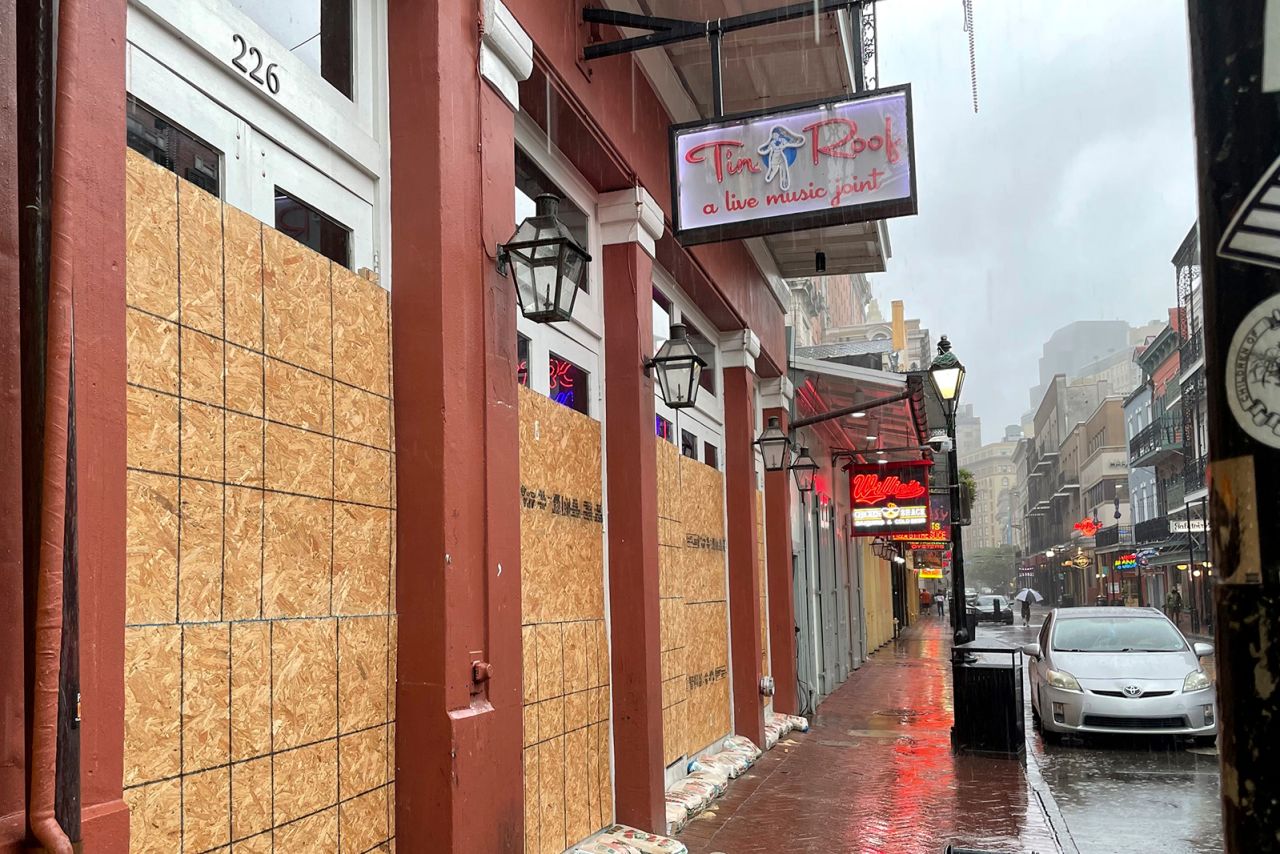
567 777
260 633
694 606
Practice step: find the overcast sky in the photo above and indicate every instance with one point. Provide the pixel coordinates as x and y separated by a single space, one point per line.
1062 199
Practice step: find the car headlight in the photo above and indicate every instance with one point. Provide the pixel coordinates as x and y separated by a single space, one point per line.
1196 681
1064 680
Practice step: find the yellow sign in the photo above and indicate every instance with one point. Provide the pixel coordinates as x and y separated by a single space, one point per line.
899 326
931 572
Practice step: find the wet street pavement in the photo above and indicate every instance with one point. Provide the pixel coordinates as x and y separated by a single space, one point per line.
1121 793
876 774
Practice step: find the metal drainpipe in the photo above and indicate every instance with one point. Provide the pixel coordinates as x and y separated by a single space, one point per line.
48 626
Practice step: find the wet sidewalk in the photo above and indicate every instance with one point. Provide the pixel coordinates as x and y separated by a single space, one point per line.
875 773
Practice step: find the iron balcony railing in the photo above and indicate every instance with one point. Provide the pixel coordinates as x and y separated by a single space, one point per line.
1162 435
1151 531
1193 473
1192 348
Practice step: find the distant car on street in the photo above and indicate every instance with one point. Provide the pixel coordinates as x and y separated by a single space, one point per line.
971 596
1119 670
994 608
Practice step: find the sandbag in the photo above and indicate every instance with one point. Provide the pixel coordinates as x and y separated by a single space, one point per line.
645 843
677 817
694 800
603 846
742 743
798 723
714 777
732 763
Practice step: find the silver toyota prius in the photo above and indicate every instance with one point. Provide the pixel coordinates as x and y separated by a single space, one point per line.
1119 670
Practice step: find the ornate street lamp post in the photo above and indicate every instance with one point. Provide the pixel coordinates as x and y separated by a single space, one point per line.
947 376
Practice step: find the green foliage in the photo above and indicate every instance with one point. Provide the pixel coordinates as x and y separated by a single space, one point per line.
994 567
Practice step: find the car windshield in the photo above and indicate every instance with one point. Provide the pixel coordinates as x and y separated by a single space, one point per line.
1117 634
990 601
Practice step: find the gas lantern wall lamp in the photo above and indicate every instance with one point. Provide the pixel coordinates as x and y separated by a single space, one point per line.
679 369
547 263
774 446
804 469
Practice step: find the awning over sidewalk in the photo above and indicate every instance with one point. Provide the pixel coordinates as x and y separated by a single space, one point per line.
899 428
1171 552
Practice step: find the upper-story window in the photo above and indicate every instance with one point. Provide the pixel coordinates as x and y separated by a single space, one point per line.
313 228
318 32
172 146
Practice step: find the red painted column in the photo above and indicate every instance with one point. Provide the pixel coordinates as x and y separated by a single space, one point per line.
13 770
458 739
630 223
631 466
90 133
778 569
740 509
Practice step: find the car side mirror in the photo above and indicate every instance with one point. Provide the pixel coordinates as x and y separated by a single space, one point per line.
1031 649
1202 650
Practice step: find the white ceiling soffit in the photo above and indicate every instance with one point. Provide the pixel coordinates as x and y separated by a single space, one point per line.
765 67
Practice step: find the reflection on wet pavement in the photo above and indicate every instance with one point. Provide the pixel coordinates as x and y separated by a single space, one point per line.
876 774
1122 793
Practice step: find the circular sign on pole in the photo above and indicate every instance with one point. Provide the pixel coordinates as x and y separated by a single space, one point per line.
1253 373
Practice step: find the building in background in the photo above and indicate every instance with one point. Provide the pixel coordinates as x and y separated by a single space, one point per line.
1075 350
993 475
968 432
913 353
821 306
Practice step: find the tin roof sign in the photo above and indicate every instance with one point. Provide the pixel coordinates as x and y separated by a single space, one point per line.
810 165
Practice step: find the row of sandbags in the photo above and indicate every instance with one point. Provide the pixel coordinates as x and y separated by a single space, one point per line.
709 775
779 725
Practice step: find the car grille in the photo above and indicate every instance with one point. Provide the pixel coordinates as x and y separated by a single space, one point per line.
1139 697
1111 722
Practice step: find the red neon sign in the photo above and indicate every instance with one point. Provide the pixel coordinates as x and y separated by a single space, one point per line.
873 489
1088 527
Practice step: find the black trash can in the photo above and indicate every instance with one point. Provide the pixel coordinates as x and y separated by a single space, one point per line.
971 622
987 678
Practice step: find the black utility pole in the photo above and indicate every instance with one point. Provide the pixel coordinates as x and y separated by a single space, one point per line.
1234 65
959 607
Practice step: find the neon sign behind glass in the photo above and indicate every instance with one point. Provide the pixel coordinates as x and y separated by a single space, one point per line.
568 385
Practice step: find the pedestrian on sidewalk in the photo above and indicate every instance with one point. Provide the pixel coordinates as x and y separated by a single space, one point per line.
1173 604
924 601
940 600
1026 611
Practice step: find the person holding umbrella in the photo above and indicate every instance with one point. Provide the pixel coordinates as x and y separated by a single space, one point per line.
1026 595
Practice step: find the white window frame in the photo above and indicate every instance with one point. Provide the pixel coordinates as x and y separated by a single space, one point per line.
705 419
308 139
578 339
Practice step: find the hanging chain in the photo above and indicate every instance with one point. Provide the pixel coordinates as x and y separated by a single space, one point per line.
973 59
